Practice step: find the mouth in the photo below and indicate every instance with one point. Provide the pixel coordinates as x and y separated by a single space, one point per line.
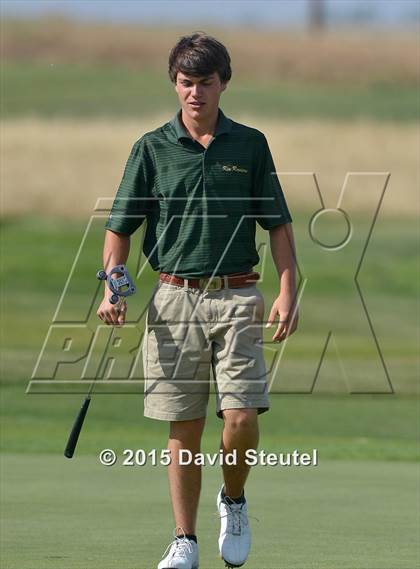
196 105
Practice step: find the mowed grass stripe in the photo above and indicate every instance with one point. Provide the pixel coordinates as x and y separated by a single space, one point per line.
339 426
77 90
59 514
330 302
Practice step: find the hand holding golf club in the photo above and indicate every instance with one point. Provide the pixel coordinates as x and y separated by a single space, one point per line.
112 309
112 314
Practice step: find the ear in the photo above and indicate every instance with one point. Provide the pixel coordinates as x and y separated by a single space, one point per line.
224 85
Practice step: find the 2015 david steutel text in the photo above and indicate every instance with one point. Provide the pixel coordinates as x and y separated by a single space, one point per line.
163 457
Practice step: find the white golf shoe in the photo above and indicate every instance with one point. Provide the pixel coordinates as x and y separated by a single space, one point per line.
182 553
235 535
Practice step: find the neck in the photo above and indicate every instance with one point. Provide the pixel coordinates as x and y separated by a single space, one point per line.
200 128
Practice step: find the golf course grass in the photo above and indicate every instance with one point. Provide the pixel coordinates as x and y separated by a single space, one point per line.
75 97
356 510
55 91
79 514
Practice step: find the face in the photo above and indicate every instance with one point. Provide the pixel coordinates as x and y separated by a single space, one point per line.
199 96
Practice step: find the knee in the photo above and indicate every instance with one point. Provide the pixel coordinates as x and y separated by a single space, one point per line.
240 419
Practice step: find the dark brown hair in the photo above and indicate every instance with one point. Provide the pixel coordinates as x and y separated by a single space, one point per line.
199 55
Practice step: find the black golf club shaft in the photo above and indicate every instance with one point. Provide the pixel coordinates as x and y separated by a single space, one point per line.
77 427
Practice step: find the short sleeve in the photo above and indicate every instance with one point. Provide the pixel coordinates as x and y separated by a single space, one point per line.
270 207
133 199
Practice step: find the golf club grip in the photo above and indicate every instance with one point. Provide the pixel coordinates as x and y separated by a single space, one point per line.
77 427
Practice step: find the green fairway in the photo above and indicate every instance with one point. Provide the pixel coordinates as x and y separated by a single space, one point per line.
356 510
51 90
361 428
81 515
330 302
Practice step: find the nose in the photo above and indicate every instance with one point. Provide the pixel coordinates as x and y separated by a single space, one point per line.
196 90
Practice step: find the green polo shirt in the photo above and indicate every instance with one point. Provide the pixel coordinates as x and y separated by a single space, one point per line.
201 204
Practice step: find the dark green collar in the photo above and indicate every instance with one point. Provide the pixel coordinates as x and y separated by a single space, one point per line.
223 125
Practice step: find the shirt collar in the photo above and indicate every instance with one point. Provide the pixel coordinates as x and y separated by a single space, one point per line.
223 125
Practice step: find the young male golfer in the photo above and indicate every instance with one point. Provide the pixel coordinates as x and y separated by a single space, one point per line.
202 181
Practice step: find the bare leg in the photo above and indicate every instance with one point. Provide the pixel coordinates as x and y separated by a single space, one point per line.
185 480
240 432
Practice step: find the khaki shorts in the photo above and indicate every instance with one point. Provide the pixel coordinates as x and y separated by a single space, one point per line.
189 332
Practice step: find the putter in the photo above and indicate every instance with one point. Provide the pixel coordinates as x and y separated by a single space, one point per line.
120 287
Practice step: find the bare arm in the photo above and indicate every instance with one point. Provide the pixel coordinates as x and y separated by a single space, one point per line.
283 252
116 250
284 257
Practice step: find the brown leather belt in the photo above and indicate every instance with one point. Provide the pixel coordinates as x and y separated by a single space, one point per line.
234 280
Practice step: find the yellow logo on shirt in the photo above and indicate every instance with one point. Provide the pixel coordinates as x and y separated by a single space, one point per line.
234 168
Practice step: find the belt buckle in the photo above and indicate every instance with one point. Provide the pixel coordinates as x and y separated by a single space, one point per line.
211 283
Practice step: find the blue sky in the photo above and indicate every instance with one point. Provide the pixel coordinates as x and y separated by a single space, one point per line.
227 12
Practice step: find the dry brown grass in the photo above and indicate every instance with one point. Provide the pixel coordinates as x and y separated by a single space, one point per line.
337 56
61 167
